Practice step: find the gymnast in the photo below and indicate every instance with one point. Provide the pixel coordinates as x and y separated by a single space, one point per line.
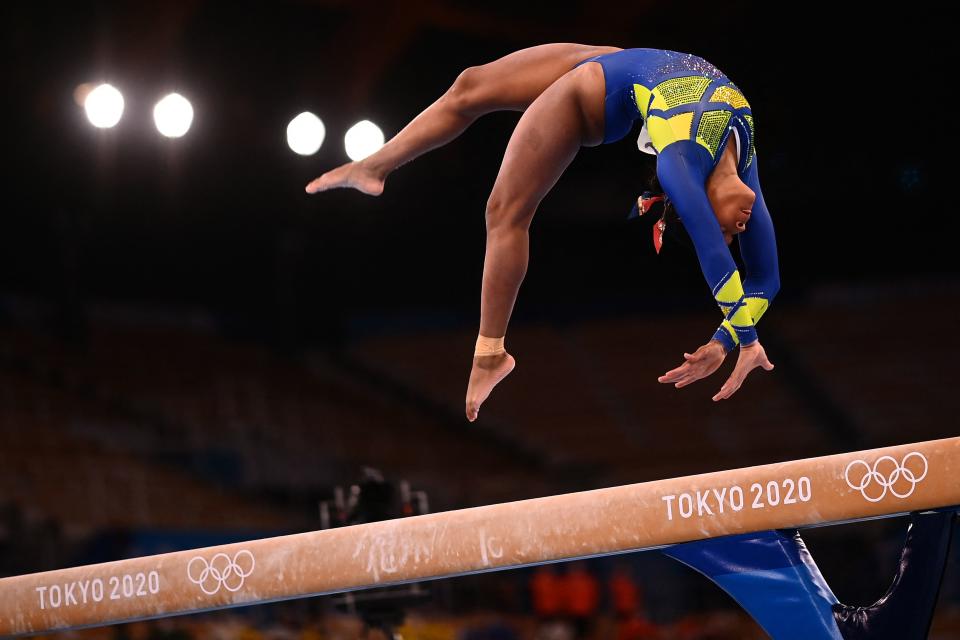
695 120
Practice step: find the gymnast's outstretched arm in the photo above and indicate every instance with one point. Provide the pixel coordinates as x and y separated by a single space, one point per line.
682 168
758 247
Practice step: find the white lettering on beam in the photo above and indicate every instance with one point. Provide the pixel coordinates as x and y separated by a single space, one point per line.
703 502
82 592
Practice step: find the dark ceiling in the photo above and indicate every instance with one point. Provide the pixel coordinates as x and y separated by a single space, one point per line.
853 137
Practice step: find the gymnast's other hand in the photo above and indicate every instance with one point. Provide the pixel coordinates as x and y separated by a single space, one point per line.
751 357
699 364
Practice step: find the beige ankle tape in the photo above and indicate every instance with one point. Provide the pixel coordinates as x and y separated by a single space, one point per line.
489 346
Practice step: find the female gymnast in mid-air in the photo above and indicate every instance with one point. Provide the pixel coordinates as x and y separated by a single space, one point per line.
696 121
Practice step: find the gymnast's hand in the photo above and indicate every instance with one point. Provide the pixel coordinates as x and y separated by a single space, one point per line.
699 364
751 357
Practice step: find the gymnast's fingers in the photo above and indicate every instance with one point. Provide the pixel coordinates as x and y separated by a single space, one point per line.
674 374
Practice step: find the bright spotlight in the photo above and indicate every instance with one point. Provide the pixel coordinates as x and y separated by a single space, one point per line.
173 115
305 134
104 106
362 140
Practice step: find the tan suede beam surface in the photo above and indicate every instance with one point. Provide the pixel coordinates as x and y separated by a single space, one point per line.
800 493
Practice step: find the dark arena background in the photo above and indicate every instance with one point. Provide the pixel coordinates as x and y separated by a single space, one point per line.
194 352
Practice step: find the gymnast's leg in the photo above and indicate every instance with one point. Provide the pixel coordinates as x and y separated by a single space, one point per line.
568 115
511 83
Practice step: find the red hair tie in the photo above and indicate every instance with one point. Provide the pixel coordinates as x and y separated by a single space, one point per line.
644 205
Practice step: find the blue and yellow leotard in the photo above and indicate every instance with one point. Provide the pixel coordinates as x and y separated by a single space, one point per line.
690 111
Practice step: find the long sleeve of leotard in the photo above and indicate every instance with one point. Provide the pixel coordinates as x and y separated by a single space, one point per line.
682 168
758 247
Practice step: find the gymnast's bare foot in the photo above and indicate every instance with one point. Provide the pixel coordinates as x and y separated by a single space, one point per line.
487 372
353 175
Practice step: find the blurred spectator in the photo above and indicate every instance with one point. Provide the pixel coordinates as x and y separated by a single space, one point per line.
637 628
626 598
581 592
547 594
546 591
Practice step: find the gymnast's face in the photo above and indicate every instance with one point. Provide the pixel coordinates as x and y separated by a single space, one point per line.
732 202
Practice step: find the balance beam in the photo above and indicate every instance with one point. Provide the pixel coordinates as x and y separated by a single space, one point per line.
817 491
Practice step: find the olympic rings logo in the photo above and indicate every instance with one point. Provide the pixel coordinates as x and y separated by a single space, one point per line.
221 572
886 475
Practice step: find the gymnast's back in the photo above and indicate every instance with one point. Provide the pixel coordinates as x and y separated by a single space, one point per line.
649 67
